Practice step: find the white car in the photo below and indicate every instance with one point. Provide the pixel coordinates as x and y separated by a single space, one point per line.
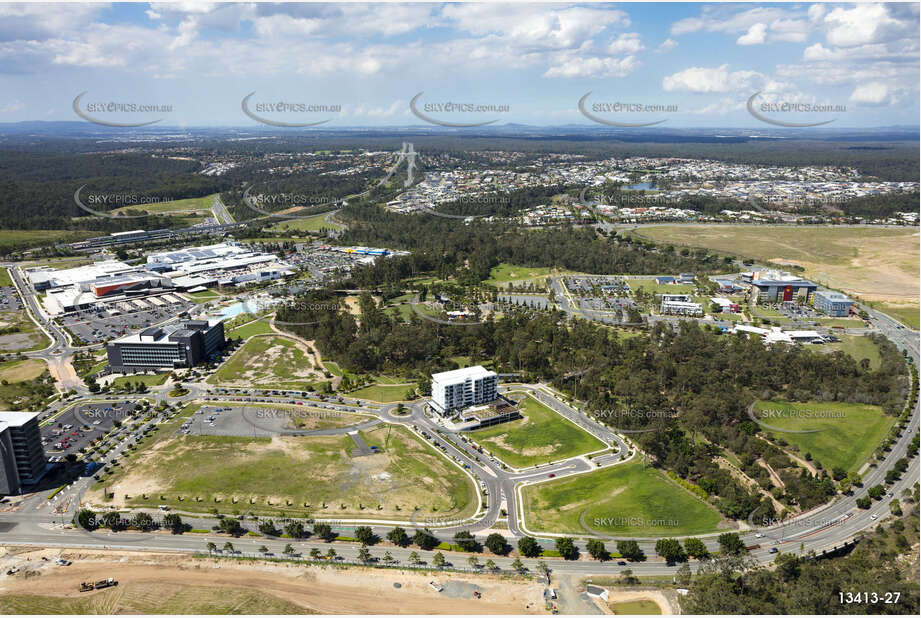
874 516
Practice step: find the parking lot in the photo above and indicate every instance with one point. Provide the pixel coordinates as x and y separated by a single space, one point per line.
9 299
77 427
98 324
597 286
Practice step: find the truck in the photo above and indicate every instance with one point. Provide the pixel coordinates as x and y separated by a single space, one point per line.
105 583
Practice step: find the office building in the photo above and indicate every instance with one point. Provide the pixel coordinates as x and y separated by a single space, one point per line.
461 388
772 287
679 304
22 458
185 344
834 304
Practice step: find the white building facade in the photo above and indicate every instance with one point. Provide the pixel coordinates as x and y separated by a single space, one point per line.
458 389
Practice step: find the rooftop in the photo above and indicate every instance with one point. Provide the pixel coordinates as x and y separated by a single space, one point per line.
467 373
15 419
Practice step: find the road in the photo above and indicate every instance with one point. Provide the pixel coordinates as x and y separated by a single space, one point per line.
220 212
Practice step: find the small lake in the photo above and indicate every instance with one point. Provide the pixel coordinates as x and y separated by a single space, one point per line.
640 186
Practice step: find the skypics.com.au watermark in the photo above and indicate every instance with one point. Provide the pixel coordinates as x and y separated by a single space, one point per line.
450 109
620 108
272 112
796 413
115 201
103 112
773 112
625 420
622 521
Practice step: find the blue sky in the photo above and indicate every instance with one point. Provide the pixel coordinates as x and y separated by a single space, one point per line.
704 59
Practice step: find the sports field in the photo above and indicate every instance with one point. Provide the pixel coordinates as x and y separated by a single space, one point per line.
541 436
269 361
848 432
504 274
623 500
321 475
875 263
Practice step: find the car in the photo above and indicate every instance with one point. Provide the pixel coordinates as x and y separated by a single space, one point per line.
551 475
621 563
758 535
773 550
874 516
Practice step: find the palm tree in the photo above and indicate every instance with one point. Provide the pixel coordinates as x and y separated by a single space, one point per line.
211 548
228 546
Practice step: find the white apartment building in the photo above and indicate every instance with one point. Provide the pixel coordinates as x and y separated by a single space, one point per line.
458 389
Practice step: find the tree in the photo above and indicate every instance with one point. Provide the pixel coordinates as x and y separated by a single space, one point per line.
671 550
473 561
497 544
263 549
231 526
731 543
631 551
398 537
438 560
174 523
425 540
324 531
491 566
466 541
597 550
331 554
518 565
315 553
142 521
696 548
267 527
529 547
288 550
112 520
211 547
87 520
683 575
414 557
228 547
366 536
388 557
567 548
876 492
295 530
364 554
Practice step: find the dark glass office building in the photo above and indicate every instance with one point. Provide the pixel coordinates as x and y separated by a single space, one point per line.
167 347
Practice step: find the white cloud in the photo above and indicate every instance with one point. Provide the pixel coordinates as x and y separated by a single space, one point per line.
865 23
627 43
593 67
873 93
667 45
707 79
756 35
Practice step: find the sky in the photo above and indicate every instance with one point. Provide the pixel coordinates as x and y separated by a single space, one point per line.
696 64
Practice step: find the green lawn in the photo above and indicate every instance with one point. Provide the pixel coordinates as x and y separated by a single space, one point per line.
908 315
641 607
333 368
504 274
844 322
848 434
203 296
17 240
5 279
149 380
541 436
623 500
382 393
858 346
256 327
650 286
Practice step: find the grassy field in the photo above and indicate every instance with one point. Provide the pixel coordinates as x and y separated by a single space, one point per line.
149 380
16 240
160 598
858 346
872 262
203 296
504 274
20 371
256 327
847 436
190 206
383 393
541 436
279 476
642 607
650 286
5 279
333 368
625 499
308 224
908 314
269 361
